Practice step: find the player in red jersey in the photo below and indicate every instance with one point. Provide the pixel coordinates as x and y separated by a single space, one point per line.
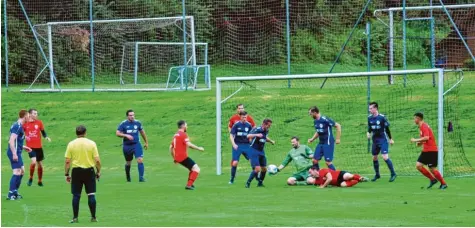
179 153
429 154
339 178
34 128
236 117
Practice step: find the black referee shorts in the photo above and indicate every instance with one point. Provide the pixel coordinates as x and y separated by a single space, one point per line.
80 177
429 158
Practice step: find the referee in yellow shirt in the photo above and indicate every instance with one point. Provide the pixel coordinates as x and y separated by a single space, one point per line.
82 156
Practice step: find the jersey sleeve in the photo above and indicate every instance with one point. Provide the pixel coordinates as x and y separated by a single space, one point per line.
425 131
17 129
253 131
287 160
330 121
233 129
140 128
386 122
121 127
230 124
308 151
369 126
68 152
42 127
251 121
95 152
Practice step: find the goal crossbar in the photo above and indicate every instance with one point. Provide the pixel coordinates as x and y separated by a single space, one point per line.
440 107
116 20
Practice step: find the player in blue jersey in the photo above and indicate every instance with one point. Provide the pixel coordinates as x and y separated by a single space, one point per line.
378 129
129 129
15 147
257 156
323 130
240 142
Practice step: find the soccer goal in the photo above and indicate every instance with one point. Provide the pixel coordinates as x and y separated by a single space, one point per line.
68 66
287 99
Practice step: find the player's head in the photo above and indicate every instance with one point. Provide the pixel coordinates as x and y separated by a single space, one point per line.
373 107
239 108
80 131
295 142
130 115
313 172
266 123
23 115
243 115
182 125
33 113
418 117
314 112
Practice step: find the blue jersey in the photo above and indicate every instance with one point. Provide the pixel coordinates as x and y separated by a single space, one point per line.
131 128
377 125
323 127
17 129
240 131
258 143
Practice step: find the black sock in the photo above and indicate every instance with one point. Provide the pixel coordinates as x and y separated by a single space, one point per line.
92 205
76 199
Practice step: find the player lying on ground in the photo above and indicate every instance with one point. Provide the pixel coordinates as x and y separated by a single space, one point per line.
339 178
301 157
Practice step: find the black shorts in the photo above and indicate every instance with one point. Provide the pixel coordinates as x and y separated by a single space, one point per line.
429 158
80 177
188 163
38 153
340 177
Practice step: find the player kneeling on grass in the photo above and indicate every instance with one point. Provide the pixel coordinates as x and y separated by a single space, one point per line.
339 178
178 150
301 155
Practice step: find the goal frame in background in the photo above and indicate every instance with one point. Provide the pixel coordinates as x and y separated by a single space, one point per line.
50 60
440 95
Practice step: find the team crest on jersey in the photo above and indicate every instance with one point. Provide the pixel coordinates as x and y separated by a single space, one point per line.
321 125
377 122
135 126
246 129
36 126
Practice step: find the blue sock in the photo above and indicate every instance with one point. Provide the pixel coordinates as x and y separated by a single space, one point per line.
390 166
127 170
91 201
331 166
376 167
233 172
76 199
262 177
12 188
141 170
316 166
18 183
252 176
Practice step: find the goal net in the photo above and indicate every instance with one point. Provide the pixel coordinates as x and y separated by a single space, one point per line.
345 97
67 46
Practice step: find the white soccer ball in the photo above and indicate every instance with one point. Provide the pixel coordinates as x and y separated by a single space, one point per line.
272 169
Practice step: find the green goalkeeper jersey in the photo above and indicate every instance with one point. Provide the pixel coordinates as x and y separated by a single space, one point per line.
300 158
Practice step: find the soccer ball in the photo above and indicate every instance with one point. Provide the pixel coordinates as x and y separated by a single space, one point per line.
272 169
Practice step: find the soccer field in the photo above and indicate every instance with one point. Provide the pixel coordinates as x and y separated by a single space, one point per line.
163 201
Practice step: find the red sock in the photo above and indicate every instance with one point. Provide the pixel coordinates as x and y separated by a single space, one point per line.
191 178
40 173
350 183
356 177
32 170
426 173
438 176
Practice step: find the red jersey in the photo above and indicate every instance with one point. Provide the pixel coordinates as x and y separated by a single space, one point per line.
322 174
179 146
429 145
33 133
236 118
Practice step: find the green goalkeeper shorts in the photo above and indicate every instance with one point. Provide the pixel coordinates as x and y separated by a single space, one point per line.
302 175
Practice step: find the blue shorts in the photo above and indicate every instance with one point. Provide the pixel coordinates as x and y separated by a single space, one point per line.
242 149
324 150
382 148
257 158
132 150
15 164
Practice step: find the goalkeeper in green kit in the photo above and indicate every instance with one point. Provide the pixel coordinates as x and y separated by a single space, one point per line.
301 155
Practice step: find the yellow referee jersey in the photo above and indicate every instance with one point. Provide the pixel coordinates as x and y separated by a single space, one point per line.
82 152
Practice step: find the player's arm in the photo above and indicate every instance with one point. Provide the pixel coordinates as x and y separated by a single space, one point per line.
97 161
388 132
67 164
144 137
327 181
424 138
315 136
368 133
11 143
338 132
122 135
308 152
286 162
232 135
270 140
43 132
172 151
254 133
193 146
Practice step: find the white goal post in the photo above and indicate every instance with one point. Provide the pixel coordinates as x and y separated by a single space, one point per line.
235 90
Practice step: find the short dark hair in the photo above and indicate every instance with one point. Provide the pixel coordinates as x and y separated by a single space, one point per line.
22 113
420 115
296 138
237 106
31 110
128 111
266 121
314 109
242 113
374 104
180 123
80 130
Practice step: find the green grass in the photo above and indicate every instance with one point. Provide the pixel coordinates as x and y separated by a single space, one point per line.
162 201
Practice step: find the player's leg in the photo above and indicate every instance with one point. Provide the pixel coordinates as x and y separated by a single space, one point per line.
138 152
433 157
262 173
22 173
310 180
421 161
350 176
349 183
292 180
76 189
90 186
385 155
32 156
298 178
328 151
39 159
128 155
317 156
194 171
16 169
234 163
375 149
256 167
